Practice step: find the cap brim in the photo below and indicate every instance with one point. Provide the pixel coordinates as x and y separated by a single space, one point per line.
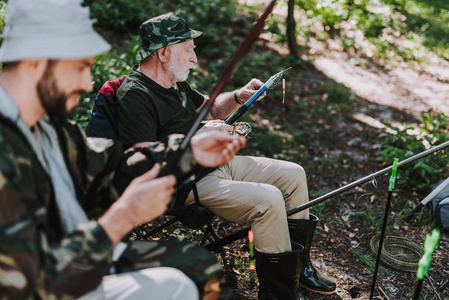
195 33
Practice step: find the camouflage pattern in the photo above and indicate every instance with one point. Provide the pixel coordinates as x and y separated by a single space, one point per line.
36 259
195 261
163 31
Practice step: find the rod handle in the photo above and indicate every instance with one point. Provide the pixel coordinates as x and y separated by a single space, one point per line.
237 114
254 97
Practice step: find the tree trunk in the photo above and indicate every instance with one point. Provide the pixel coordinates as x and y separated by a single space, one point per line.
291 28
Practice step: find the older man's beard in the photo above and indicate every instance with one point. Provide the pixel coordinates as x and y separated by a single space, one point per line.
175 69
52 98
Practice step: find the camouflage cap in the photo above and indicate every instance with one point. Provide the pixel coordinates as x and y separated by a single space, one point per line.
163 31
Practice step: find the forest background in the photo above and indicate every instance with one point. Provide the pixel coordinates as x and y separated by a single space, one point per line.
369 83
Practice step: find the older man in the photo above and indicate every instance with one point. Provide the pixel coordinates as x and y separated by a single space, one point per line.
155 101
51 177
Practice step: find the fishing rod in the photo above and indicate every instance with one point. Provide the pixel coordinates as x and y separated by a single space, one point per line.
365 179
271 82
384 225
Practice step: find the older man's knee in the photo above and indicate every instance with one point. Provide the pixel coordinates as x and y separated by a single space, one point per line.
295 171
272 201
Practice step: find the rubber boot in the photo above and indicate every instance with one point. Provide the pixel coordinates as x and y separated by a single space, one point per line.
302 231
278 274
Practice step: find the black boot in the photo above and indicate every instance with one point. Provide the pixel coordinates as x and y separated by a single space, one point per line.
278 274
302 231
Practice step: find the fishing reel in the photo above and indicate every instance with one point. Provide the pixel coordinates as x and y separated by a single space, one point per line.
243 129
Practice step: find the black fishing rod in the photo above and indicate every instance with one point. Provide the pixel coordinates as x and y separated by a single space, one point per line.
384 226
365 179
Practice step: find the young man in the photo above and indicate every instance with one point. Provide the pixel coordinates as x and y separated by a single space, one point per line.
155 101
51 177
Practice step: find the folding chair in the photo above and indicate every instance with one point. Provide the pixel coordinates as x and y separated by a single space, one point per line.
196 216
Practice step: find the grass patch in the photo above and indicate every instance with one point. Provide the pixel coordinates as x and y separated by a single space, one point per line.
268 143
367 260
370 218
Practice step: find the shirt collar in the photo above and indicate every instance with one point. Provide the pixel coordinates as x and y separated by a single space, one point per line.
9 108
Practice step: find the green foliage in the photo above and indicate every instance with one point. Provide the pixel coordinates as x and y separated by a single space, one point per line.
332 12
404 144
123 15
127 15
2 18
424 23
427 19
107 66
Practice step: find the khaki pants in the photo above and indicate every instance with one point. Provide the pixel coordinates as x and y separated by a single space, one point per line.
259 191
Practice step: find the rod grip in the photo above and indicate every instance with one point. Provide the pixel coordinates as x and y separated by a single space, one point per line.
237 114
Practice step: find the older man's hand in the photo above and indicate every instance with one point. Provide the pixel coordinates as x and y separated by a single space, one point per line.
214 148
250 89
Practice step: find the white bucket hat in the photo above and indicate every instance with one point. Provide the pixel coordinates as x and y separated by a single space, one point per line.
53 29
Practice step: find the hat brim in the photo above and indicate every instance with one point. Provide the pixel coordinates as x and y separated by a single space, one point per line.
83 45
190 35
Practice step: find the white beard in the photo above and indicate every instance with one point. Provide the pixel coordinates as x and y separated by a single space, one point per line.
175 69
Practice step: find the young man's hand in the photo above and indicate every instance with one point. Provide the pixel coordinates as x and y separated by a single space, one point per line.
145 199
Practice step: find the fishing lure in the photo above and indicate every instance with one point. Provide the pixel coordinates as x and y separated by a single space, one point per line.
283 90
252 265
274 80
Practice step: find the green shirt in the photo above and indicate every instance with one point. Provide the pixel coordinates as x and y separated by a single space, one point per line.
148 112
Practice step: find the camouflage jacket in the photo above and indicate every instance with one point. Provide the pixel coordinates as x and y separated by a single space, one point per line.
36 259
